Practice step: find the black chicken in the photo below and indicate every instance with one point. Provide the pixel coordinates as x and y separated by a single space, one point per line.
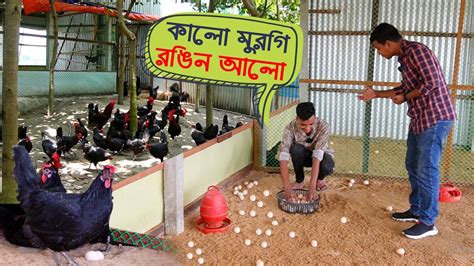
49 145
94 154
226 127
80 128
145 110
57 220
197 135
65 143
99 119
154 92
99 139
138 145
159 150
49 175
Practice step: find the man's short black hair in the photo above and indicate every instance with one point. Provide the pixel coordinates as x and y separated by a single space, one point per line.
385 32
305 110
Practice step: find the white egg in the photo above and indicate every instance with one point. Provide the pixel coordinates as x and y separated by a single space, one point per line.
376 152
366 182
190 244
253 213
352 181
332 143
240 187
275 222
268 232
189 256
236 188
401 251
245 192
314 243
237 230
201 261
258 231
247 242
343 220
260 263
246 183
350 184
264 244
300 196
241 197
94 255
270 215
292 234
249 186
236 192
253 198
198 251
241 194
242 212
260 203
266 193
389 208
255 182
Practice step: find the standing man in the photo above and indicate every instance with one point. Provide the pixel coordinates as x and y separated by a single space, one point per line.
432 114
306 142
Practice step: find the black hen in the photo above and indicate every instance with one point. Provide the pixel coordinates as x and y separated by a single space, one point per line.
49 146
49 175
65 143
138 145
197 135
57 220
159 150
94 154
99 139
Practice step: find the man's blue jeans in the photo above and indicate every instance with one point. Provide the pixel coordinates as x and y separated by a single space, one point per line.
422 162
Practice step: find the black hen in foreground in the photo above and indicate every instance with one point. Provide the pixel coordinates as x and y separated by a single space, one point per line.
159 150
57 220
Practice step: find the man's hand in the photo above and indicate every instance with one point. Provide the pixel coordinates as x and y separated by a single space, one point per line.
367 95
290 195
398 99
311 195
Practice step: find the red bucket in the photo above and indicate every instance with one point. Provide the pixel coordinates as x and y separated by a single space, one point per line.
449 193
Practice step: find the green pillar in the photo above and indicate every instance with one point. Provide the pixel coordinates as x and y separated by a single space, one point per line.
368 105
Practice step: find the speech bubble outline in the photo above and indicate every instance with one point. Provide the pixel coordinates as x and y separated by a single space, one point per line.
182 26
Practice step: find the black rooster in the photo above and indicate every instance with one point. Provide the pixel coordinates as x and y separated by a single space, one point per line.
65 143
159 150
57 220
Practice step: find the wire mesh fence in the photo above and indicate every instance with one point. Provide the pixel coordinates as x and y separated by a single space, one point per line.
369 139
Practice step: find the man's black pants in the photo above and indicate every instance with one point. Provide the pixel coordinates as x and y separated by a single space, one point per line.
302 157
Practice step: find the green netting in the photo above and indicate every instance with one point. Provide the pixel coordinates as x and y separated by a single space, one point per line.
141 240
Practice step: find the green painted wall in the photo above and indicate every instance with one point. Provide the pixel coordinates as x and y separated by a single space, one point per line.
36 83
214 164
139 206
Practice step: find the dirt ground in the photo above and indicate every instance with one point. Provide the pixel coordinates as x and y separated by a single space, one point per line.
369 237
75 172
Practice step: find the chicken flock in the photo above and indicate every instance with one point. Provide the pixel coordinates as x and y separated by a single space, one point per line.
50 217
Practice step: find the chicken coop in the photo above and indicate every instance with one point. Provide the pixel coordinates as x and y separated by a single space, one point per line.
155 197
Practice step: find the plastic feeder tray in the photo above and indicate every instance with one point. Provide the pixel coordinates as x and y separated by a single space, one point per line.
449 193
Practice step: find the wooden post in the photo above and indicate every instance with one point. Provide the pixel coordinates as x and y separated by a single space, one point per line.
457 59
174 196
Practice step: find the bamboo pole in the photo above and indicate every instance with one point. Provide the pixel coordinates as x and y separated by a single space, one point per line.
457 59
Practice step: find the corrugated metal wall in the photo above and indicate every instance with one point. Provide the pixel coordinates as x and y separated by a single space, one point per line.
339 50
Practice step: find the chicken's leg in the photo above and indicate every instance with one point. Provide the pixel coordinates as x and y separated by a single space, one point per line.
70 260
57 260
